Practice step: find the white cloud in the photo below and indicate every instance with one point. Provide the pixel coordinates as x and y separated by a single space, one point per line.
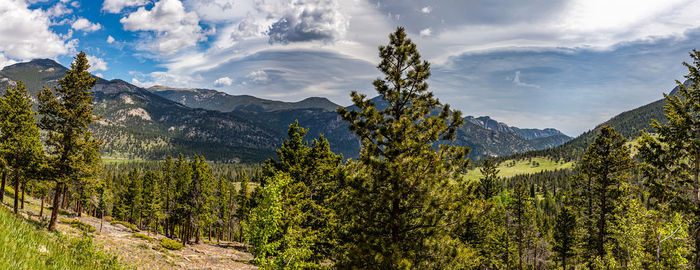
163 78
26 34
116 6
96 63
426 32
221 10
82 24
307 20
174 28
426 9
223 81
516 81
110 39
5 62
258 76
58 10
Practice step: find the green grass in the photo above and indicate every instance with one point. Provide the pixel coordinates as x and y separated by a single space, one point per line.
170 244
125 224
523 166
25 245
142 236
79 225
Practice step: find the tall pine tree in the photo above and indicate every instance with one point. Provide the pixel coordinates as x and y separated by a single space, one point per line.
397 199
605 164
67 111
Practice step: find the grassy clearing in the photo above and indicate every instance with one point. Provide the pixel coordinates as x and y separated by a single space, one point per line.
24 244
512 168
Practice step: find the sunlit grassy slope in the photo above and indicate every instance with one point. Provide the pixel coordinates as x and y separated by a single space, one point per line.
25 245
511 168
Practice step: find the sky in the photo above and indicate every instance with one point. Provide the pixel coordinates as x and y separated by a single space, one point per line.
565 64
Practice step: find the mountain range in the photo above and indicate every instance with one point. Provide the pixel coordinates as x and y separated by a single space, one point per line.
158 121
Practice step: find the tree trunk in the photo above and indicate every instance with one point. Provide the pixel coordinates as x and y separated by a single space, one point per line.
16 207
23 188
601 222
79 207
4 181
41 212
196 232
697 208
54 211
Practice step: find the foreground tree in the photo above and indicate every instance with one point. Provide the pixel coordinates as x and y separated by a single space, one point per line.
606 165
19 137
398 198
67 111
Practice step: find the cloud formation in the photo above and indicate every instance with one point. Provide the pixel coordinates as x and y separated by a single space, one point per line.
26 34
96 63
516 81
308 20
116 6
223 81
173 28
82 24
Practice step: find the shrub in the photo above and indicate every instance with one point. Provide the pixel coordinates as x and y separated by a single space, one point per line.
125 224
170 244
79 225
142 236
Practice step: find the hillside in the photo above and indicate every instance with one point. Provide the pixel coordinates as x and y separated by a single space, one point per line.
219 101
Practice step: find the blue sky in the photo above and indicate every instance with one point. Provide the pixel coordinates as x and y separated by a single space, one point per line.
566 64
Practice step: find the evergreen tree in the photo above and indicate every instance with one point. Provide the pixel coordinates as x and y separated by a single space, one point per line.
151 200
313 171
489 180
242 202
677 153
606 165
398 196
66 113
564 235
20 147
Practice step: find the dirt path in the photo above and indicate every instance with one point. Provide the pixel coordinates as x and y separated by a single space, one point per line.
145 254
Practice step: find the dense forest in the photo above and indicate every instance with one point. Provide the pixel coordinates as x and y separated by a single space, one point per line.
403 203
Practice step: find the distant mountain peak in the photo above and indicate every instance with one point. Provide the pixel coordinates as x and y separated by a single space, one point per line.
526 133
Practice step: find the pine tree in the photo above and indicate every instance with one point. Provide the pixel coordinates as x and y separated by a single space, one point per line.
20 147
606 164
564 235
522 211
313 171
151 200
242 202
66 113
676 155
489 180
397 199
